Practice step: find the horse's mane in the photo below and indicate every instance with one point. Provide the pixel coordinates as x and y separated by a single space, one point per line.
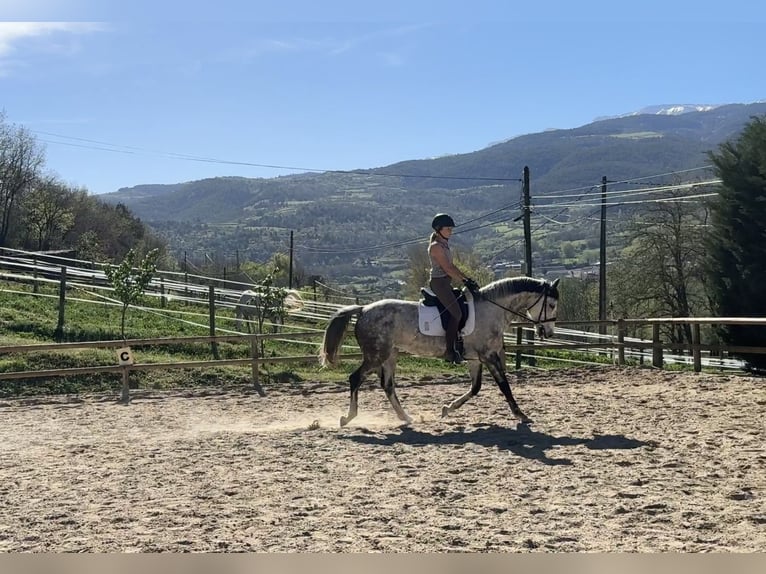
510 285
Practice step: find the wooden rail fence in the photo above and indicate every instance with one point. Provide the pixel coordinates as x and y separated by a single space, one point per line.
617 344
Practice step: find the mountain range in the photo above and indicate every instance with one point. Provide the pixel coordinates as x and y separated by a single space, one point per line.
665 110
376 213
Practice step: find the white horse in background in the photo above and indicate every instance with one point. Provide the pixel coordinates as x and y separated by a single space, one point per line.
250 302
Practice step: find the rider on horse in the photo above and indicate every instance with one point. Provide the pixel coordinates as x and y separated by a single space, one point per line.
443 271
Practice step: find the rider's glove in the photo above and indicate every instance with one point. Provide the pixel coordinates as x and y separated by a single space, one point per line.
471 285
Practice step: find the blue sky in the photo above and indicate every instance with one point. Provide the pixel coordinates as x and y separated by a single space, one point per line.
167 92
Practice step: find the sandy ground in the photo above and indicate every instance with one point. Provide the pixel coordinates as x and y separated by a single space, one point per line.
617 460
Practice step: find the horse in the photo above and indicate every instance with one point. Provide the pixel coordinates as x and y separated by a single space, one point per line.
249 303
386 327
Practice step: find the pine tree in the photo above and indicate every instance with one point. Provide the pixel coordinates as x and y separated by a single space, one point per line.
736 246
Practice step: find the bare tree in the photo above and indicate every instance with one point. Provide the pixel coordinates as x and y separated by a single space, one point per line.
579 299
21 159
660 272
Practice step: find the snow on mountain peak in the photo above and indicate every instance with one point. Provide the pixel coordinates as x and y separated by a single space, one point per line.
665 110
676 109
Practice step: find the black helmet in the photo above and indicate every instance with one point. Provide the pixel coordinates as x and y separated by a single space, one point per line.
442 220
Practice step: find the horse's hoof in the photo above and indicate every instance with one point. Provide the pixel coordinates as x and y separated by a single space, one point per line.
445 411
343 421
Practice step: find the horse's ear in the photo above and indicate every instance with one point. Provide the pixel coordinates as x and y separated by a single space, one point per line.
555 282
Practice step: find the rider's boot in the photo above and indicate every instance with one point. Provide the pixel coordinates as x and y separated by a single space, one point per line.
454 353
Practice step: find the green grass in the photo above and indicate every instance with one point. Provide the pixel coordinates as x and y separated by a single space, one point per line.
27 318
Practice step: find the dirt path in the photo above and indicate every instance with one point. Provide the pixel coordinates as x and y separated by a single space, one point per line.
617 460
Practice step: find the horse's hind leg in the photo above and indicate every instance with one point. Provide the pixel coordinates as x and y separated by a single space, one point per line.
474 369
387 372
355 381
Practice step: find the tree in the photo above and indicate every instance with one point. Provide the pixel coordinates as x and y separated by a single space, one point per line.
579 299
270 304
131 278
736 245
280 266
660 272
116 229
89 247
21 159
420 265
47 213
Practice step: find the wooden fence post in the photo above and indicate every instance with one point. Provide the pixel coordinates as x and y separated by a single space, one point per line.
531 352
125 397
211 305
254 357
620 342
696 354
656 346
518 352
59 332
163 299
35 287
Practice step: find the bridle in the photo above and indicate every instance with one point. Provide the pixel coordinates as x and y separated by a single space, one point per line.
542 316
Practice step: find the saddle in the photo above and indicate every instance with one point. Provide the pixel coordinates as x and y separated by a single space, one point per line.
430 308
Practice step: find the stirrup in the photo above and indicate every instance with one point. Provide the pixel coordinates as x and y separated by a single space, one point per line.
455 357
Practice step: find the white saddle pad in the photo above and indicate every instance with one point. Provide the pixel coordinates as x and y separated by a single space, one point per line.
430 323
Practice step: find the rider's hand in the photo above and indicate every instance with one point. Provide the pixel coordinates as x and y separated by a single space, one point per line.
471 285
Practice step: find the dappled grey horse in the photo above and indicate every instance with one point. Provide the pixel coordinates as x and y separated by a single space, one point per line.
388 326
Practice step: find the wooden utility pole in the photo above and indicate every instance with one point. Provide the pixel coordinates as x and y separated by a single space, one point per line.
528 258
290 274
527 225
602 262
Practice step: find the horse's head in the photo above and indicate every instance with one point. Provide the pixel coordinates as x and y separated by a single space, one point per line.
543 311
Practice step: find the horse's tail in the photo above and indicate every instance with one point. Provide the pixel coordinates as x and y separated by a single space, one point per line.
334 333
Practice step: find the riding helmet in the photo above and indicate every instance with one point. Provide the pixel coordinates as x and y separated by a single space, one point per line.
442 220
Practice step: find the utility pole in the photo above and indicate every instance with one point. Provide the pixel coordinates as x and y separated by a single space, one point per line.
528 258
527 225
290 274
602 262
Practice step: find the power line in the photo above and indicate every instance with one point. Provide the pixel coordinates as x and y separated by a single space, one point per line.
643 191
633 202
115 148
667 174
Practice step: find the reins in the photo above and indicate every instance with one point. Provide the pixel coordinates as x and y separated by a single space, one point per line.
542 316
543 309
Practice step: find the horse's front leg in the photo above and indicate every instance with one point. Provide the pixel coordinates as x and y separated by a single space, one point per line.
388 382
495 366
474 369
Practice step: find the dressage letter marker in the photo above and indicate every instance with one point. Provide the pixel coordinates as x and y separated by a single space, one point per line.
124 356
